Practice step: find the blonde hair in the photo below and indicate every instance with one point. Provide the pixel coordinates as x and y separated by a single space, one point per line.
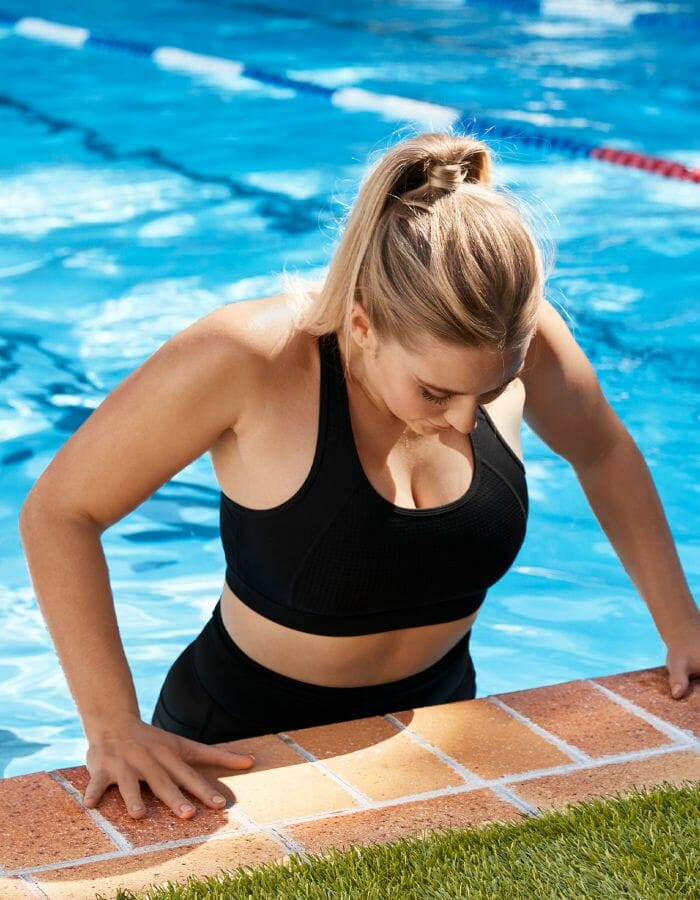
431 247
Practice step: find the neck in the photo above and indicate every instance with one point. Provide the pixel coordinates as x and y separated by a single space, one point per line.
360 391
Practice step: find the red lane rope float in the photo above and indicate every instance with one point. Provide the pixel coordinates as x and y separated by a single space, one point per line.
659 166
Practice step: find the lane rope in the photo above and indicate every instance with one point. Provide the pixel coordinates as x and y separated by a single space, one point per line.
351 99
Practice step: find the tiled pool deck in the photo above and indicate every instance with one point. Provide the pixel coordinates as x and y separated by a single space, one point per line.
500 757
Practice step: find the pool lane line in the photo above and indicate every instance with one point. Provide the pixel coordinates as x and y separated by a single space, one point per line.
391 106
531 8
293 215
375 28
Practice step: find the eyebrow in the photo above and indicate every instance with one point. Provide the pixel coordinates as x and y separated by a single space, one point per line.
464 393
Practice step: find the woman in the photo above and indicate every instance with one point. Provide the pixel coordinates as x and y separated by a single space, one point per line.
366 442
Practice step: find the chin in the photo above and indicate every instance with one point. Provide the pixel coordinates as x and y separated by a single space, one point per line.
423 427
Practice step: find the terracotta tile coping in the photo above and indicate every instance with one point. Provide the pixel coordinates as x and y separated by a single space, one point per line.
497 758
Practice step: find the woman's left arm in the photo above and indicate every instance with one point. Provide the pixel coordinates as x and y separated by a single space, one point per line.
565 407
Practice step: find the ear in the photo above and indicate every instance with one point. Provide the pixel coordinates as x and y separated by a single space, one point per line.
361 329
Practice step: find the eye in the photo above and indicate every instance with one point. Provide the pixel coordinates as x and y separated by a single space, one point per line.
433 398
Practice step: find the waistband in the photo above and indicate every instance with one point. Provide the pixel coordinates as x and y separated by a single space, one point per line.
247 675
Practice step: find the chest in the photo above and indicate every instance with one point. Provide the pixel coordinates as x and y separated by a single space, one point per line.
272 452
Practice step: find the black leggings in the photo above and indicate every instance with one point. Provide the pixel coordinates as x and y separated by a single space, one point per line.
214 692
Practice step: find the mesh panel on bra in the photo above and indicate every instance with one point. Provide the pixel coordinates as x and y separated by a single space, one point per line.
371 560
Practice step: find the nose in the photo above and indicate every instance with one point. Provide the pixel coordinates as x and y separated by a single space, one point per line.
462 417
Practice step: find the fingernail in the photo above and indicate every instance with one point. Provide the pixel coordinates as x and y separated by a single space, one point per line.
186 807
251 756
677 689
217 799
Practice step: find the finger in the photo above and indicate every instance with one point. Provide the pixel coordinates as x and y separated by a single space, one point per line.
216 755
166 790
192 781
678 680
130 790
97 785
679 688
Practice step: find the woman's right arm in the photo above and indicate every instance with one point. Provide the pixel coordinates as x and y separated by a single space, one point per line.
165 414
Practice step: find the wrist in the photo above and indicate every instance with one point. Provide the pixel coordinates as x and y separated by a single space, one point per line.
679 627
97 725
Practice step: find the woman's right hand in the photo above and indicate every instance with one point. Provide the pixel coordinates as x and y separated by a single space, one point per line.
128 751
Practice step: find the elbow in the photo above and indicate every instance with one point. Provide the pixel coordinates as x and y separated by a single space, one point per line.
32 514
41 505
29 512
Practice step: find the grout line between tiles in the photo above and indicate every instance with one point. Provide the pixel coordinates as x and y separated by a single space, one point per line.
597 763
497 785
295 847
680 735
569 749
375 805
102 823
32 886
355 792
470 777
275 830
235 815
136 851
511 797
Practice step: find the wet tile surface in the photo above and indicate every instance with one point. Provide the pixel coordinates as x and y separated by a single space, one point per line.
14 888
381 762
144 869
585 718
483 738
649 688
281 784
41 824
557 790
391 822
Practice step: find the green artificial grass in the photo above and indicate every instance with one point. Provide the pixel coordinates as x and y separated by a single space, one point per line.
642 844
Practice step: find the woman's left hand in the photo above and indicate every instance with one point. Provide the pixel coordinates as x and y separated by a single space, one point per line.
683 657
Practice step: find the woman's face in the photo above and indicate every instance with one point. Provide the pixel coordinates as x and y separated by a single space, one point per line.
437 389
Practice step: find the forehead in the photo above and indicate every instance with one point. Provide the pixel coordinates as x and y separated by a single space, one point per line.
462 369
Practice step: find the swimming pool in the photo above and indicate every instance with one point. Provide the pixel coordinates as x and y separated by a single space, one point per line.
136 197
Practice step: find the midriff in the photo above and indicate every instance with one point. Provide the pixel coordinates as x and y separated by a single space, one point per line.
348 661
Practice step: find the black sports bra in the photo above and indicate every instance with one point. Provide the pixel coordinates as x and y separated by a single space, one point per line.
337 558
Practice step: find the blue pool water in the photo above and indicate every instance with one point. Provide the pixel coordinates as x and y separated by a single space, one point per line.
135 199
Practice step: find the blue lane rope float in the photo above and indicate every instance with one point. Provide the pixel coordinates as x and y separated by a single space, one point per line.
352 99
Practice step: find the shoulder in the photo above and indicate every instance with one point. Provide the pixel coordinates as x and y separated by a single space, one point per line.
263 332
551 329
254 327
251 344
554 359
564 403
